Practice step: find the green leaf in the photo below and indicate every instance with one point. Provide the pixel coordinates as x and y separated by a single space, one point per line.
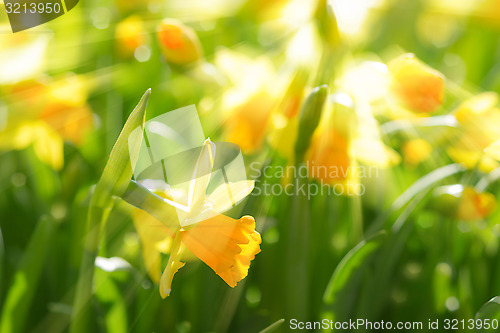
119 169
345 281
273 327
490 310
423 183
416 191
27 278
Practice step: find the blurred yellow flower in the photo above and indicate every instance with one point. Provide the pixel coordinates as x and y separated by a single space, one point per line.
179 43
416 151
66 109
47 144
415 85
479 120
246 125
71 122
474 205
249 103
342 140
130 34
225 244
329 148
48 114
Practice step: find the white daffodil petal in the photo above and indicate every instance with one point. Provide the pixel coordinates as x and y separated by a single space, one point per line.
228 195
202 172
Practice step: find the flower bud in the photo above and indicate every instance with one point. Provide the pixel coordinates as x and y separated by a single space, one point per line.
416 86
179 43
309 117
327 22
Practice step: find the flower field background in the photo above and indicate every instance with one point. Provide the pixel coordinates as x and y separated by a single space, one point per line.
364 137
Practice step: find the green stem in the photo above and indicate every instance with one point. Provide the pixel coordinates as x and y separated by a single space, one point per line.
82 312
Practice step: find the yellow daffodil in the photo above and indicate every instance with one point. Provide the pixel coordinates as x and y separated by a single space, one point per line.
55 112
130 34
67 111
250 102
247 123
329 148
225 244
179 43
479 120
46 142
341 141
415 85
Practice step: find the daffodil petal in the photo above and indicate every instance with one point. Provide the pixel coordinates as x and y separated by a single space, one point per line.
228 195
222 243
173 265
201 176
167 277
153 236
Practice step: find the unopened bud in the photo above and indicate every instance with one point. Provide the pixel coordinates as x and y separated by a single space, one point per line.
309 118
179 43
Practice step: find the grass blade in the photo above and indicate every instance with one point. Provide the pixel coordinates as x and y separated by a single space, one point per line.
27 278
273 327
341 290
